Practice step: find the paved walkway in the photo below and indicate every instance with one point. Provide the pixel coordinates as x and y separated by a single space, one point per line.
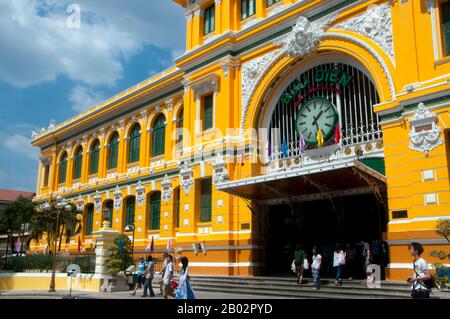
60 294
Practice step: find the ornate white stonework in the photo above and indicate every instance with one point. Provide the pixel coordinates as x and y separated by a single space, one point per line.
304 38
250 72
375 24
80 203
424 133
117 198
97 201
140 194
186 178
166 192
220 173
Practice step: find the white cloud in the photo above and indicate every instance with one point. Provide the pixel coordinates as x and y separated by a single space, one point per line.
36 46
83 98
20 144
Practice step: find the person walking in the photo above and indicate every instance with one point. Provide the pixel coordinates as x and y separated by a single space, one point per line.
421 280
366 256
149 275
184 290
315 267
338 263
163 268
299 258
167 279
139 279
350 254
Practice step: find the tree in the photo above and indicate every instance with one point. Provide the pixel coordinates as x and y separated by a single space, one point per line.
17 217
442 271
44 222
121 258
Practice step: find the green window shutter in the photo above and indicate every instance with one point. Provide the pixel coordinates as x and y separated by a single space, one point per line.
131 203
270 2
445 8
159 136
207 112
248 8
95 154
78 165
63 169
206 200
135 140
113 151
89 220
176 207
155 211
209 20
180 126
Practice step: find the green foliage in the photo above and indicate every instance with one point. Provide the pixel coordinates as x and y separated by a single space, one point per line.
120 260
44 263
442 277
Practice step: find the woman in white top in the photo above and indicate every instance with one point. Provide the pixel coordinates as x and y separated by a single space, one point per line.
315 268
338 263
421 279
184 290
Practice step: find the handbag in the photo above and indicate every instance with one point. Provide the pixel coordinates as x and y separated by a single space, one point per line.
174 284
428 284
293 267
305 264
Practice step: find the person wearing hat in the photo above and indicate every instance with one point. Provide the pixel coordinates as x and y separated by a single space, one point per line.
164 265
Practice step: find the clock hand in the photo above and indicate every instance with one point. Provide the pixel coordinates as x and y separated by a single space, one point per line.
317 118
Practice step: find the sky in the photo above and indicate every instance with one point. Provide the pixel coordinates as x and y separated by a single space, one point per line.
59 58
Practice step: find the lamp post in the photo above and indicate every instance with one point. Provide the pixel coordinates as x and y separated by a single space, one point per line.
128 228
60 206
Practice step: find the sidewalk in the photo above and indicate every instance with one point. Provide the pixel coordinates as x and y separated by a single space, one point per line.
60 294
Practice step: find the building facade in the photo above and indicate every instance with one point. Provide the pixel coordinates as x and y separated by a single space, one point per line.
284 122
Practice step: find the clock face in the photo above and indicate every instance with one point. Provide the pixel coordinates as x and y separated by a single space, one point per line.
316 113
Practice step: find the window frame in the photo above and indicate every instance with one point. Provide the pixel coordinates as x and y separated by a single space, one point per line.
247 12
113 158
155 219
270 3
130 210
89 224
444 51
63 164
94 160
209 19
134 144
78 163
206 200
204 97
159 136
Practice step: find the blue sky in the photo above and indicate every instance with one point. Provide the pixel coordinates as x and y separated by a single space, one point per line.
50 71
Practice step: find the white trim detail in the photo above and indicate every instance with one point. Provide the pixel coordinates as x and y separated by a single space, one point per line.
405 266
417 220
219 264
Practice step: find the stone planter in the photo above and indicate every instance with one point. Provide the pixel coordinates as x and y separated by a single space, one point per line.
113 284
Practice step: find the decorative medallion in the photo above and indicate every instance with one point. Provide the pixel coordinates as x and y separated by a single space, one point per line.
166 193
80 204
140 194
220 173
117 198
375 24
186 178
424 133
97 201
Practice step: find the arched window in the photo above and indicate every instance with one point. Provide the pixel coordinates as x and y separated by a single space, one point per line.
159 135
180 128
113 154
135 141
155 210
89 220
95 154
63 169
130 209
78 163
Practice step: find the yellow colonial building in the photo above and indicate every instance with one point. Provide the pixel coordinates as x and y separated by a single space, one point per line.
284 122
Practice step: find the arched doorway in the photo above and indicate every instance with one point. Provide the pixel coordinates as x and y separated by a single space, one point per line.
324 172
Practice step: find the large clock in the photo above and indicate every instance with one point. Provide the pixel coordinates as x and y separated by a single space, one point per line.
314 114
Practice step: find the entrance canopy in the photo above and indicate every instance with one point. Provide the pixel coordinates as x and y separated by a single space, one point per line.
351 178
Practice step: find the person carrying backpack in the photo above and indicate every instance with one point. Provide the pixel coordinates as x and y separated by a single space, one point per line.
422 281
